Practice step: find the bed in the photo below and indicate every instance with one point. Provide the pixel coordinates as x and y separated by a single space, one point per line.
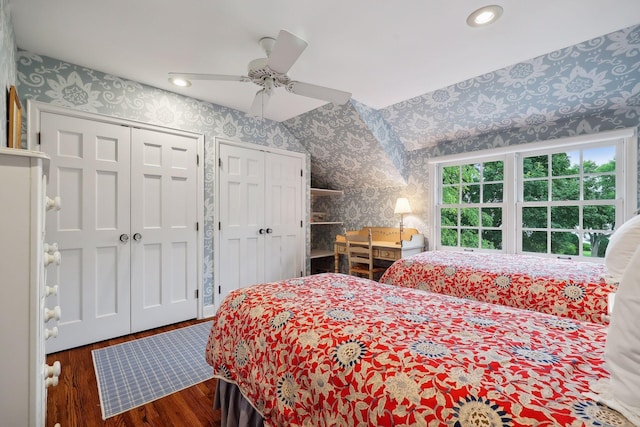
336 350
564 288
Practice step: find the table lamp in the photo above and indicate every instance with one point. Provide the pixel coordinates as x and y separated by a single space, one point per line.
402 207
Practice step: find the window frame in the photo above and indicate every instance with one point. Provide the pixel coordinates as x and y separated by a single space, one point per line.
626 201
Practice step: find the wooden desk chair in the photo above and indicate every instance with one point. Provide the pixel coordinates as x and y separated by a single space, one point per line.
360 254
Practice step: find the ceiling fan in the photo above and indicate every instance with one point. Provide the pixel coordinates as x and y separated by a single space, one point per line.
271 72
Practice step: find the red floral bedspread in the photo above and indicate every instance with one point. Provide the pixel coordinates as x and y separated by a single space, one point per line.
561 287
335 350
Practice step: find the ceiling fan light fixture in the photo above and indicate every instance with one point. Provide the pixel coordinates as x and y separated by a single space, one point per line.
179 81
484 16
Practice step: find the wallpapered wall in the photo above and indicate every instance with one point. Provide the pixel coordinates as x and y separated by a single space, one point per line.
7 64
594 77
590 87
351 146
57 82
586 88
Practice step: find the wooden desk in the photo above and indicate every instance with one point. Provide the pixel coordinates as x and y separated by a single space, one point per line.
386 245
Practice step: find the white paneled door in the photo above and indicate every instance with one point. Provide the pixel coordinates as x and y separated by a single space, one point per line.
163 227
261 236
241 216
127 232
90 170
283 217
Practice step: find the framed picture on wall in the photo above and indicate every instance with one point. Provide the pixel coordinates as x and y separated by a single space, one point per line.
14 127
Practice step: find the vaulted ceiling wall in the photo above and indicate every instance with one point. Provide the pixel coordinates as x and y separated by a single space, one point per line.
354 146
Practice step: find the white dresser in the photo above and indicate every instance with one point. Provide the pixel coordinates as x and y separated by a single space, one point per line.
25 321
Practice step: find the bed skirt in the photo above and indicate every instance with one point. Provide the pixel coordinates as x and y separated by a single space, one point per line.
235 410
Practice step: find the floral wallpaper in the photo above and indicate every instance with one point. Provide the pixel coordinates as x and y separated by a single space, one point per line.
590 87
373 155
57 82
597 76
7 64
345 150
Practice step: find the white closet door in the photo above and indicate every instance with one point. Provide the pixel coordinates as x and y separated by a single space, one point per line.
283 217
241 216
163 229
90 171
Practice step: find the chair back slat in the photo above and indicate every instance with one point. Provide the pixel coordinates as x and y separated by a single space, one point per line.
360 254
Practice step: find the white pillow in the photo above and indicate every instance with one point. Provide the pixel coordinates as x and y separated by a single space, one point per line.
622 245
622 350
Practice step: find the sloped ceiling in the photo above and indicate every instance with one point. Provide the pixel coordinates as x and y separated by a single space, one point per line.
356 146
383 52
347 152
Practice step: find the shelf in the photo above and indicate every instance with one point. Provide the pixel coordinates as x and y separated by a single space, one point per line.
326 223
321 253
325 192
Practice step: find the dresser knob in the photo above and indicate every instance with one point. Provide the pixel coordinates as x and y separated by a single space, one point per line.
51 333
52 258
50 248
52 370
51 290
53 203
52 314
53 381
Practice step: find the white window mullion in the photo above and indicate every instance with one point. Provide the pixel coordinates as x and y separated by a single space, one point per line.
512 224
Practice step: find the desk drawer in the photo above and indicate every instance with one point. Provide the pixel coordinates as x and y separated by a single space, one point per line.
390 254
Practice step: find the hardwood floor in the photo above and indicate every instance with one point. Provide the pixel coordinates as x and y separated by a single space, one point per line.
74 402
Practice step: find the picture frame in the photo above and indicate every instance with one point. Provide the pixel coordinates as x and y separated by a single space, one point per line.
14 128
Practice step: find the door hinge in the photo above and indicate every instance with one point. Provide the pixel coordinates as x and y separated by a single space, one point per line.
197 159
301 172
219 289
197 293
219 161
300 223
197 226
219 225
39 138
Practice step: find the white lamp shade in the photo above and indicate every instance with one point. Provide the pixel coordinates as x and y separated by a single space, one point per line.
402 206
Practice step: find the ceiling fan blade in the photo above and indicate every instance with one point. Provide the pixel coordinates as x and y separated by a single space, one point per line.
286 51
319 92
198 76
259 103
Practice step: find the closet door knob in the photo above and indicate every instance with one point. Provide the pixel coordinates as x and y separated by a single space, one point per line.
261 231
137 237
124 238
269 231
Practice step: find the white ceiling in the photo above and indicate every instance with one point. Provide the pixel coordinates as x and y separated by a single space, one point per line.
383 52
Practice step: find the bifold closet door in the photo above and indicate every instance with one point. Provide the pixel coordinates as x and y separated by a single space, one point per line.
260 213
241 191
163 229
127 232
283 215
90 170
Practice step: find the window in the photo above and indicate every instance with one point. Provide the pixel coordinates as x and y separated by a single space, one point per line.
560 199
569 201
472 205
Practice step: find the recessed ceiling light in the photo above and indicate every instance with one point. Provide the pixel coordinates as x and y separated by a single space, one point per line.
484 16
179 81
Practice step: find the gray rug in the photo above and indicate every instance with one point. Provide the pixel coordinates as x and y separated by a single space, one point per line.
137 372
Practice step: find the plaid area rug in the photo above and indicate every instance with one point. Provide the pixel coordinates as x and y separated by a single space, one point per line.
137 372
